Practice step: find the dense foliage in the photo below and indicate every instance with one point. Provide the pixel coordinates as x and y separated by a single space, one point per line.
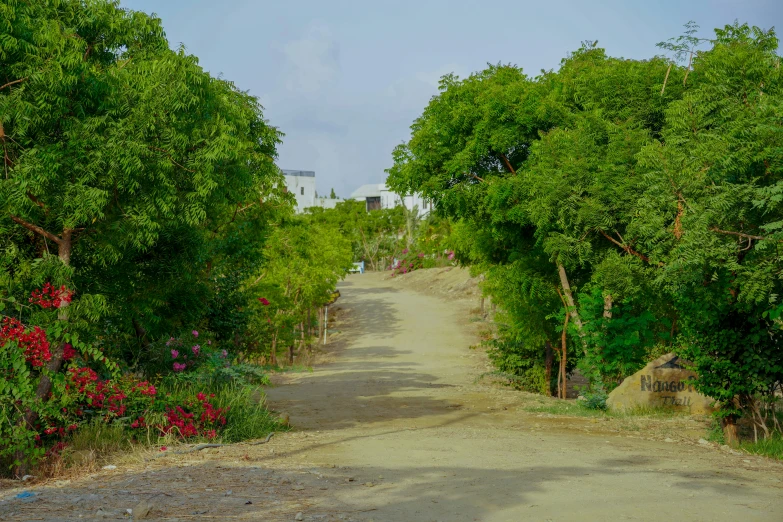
144 231
633 204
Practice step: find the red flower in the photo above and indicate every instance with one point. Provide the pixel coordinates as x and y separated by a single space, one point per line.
264 301
68 352
34 343
51 297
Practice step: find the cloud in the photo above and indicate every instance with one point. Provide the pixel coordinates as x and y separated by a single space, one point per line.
411 94
312 62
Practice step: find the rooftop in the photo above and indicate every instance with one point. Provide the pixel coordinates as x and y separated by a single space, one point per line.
305 173
368 191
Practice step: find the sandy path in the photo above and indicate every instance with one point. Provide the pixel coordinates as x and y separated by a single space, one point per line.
400 403
395 428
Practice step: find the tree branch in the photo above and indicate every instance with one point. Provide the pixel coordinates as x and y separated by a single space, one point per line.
627 248
36 200
20 80
36 229
168 154
666 79
508 164
746 236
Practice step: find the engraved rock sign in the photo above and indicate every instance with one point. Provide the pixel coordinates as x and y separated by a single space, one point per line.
665 382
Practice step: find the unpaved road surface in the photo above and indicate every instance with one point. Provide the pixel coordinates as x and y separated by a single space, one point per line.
396 428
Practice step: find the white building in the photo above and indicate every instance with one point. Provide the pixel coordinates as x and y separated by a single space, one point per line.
327 202
378 196
301 183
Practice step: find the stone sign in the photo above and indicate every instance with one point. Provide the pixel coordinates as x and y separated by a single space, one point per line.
663 383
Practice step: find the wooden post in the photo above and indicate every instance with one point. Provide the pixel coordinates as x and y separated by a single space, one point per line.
320 323
326 322
550 359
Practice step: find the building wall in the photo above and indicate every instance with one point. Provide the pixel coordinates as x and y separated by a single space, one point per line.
390 199
302 185
327 202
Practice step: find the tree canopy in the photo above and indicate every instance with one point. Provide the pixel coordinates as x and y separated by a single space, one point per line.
637 198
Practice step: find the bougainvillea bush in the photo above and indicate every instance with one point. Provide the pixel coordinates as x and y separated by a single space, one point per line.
196 400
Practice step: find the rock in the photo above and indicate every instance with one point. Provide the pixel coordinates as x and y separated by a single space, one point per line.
110 467
369 484
229 493
141 510
27 477
703 441
299 516
298 488
81 457
667 439
665 382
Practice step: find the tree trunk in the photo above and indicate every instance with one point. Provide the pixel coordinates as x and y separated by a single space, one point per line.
320 322
291 353
273 351
550 359
608 306
730 431
54 365
569 297
563 380
302 339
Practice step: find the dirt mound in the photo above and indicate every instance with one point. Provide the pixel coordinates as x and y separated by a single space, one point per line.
451 281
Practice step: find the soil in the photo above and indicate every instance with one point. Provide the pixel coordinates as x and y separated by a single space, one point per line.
398 425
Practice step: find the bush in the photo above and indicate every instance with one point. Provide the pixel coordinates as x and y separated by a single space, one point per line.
594 399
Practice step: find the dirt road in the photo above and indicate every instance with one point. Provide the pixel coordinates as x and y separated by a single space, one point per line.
401 403
396 428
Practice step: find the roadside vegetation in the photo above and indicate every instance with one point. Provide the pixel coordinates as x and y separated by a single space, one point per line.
153 271
621 209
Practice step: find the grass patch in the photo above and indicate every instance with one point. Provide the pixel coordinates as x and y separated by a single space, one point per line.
247 416
562 407
97 443
578 408
771 447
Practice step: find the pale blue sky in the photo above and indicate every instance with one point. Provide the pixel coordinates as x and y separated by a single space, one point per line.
345 79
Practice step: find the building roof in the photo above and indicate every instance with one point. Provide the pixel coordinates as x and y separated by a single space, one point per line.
368 191
305 173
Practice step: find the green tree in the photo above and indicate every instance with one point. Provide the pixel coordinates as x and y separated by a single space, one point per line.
121 155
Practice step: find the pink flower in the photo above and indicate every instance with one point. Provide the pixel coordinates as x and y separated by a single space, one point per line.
163 448
179 367
201 397
264 301
196 349
209 343
174 354
195 333
451 255
224 354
